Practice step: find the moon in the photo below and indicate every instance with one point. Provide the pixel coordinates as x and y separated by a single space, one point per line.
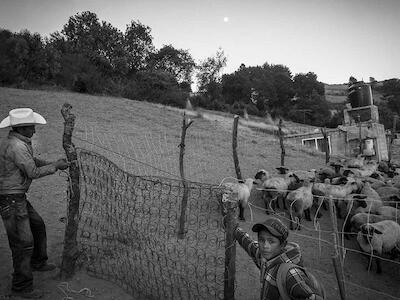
226 19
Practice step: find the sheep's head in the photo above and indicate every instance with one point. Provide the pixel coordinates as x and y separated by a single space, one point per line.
249 182
293 177
348 173
261 175
368 231
282 170
360 200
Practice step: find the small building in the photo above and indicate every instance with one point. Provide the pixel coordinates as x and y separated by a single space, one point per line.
361 132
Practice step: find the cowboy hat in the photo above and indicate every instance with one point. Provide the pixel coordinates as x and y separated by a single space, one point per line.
22 117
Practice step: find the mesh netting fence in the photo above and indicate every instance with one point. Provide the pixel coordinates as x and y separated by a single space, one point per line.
128 233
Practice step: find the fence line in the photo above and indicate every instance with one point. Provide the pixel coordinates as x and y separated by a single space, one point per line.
142 157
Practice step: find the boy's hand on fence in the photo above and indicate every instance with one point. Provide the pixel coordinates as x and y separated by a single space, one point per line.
62 164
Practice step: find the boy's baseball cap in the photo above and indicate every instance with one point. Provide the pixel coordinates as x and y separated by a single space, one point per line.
274 226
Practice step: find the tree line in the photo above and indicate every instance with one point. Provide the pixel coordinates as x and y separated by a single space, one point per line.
92 56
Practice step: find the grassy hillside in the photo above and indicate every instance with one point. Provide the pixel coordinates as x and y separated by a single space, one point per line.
150 133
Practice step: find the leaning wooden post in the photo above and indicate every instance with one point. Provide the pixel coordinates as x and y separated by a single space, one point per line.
336 257
234 147
392 139
359 134
182 219
230 203
326 144
70 252
280 134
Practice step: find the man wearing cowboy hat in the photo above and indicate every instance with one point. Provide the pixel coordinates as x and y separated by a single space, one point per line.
25 228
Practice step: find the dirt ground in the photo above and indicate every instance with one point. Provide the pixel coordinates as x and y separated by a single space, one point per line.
48 195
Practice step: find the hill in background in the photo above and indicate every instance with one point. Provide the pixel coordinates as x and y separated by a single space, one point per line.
337 93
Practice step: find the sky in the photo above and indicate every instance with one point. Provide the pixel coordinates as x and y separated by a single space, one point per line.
335 39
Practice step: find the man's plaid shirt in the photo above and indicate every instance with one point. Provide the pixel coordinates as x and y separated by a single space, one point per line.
297 283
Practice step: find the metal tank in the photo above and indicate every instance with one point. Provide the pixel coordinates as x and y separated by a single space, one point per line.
360 94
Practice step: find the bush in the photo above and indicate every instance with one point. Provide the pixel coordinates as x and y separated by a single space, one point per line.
80 75
156 86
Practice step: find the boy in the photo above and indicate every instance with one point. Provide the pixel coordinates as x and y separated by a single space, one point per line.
269 252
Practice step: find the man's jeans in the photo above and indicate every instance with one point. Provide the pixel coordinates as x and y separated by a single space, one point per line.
26 233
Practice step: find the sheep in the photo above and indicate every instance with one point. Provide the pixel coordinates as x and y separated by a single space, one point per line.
381 237
325 173
243 190
369 191
389 212
351 205
373 200
359 219
276 188
375 183
390 195
300 202
396 181
338 192
357 162
305 175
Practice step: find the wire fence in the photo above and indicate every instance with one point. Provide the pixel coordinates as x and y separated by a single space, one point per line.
153 155
128 233
315 238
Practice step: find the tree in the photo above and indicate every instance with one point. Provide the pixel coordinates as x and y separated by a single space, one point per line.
22 57
236 87
177 62
305 84
82 33
313 110
209 74
283 84
138 44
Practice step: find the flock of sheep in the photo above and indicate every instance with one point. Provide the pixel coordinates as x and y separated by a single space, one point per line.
366 195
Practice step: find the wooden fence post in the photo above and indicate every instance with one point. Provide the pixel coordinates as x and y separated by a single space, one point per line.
181 230
280 134
359 134
230 246
392 139
337 257
234 147
326 144
70 252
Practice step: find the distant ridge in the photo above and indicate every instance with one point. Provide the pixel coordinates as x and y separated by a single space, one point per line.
337 93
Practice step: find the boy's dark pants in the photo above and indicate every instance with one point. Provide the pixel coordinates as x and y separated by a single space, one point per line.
26 233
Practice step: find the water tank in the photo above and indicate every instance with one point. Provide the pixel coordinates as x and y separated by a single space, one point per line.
360 94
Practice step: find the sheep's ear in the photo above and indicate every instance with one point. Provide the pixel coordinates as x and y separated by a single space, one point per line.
377 231
296 177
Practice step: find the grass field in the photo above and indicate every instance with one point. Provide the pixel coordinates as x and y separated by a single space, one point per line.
143 139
